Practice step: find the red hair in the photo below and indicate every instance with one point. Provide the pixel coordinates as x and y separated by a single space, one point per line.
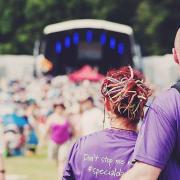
126 90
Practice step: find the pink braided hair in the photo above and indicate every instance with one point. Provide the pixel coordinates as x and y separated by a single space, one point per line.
126 90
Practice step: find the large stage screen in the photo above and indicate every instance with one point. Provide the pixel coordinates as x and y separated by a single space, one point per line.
89 51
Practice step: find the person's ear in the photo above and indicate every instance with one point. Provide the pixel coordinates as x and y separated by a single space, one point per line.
175 56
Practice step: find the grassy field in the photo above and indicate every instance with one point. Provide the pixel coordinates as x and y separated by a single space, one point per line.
32 168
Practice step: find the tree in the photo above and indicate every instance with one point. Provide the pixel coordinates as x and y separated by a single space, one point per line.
11 19
155 25
154 22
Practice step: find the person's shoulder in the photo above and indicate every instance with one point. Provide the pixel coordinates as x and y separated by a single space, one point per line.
92 135
166 101
167 95
91 138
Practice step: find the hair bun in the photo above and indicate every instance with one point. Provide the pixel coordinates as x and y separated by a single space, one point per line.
126 90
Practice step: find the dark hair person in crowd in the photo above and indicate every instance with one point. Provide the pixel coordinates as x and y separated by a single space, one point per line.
107 154
158 145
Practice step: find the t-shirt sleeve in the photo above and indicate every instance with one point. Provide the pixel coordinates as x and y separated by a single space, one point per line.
157 136
68 173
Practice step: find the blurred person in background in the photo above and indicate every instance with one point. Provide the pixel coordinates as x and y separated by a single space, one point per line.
92 117
58 129
107 154
31 115
75 117
2 168
157 152
14 129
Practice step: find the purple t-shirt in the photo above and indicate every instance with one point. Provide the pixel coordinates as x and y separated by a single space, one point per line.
158 142
104 155
60 133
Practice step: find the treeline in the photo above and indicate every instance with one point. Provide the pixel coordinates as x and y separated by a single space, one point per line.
154 22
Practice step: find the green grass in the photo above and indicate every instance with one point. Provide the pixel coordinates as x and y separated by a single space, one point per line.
34 168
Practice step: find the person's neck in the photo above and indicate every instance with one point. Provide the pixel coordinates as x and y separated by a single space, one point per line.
59 114
123 123
90 107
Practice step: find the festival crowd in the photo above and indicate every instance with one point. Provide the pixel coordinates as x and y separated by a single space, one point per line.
48 112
